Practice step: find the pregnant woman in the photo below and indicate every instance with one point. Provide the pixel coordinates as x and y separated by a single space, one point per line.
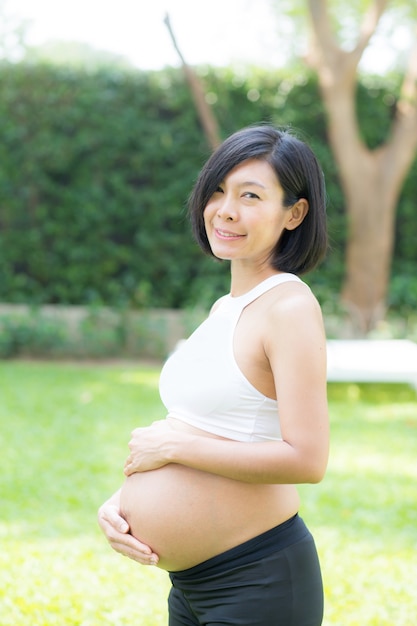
210 494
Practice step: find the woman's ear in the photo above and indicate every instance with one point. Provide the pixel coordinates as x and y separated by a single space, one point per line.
296 214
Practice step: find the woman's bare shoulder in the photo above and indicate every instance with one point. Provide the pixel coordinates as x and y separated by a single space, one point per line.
292 297
293 309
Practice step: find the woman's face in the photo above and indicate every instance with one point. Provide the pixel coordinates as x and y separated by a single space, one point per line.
245 217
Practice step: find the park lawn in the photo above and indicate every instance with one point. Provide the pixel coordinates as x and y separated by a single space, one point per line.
63 434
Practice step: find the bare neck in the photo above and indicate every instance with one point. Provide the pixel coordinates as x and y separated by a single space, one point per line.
243 279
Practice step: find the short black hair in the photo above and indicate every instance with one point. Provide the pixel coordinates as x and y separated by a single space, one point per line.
298 251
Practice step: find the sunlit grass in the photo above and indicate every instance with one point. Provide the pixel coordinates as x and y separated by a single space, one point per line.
64 430
364 514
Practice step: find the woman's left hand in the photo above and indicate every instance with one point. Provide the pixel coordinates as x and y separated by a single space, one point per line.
147 447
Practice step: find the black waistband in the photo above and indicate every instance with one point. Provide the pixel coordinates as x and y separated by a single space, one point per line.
273 540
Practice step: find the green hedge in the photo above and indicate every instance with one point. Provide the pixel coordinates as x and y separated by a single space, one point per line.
95 170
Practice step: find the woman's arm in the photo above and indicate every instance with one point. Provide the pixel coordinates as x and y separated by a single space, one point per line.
116 530
295 346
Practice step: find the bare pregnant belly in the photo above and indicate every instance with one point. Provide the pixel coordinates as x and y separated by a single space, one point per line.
188 516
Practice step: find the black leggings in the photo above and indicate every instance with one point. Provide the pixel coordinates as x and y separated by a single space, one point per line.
271 580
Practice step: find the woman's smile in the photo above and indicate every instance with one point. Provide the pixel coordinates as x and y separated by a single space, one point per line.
245 216
227 234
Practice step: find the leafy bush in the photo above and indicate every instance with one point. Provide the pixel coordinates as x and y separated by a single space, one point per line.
96 167
31 334
94 332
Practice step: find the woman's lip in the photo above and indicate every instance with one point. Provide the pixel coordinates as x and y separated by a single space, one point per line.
226 234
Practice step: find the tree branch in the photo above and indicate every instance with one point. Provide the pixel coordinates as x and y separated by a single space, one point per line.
326 41
402 144
368 27
167 23
207 119
337 83
325 45
408 95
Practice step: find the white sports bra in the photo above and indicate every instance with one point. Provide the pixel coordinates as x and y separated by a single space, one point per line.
202 385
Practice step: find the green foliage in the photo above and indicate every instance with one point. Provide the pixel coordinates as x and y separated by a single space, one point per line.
31 334
96 332
88 190
75 54
65 430
96 168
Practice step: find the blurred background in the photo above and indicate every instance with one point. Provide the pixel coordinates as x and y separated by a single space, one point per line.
107 112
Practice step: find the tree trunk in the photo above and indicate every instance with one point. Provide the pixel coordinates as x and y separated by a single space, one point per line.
371 180
371 212
371 193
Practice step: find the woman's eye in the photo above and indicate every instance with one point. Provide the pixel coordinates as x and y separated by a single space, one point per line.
251 195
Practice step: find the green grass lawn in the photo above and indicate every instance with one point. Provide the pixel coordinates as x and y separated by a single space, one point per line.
63 432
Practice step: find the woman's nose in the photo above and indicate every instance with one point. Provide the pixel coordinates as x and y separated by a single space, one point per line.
227 209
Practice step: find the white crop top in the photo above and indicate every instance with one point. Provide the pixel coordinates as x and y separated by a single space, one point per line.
202 385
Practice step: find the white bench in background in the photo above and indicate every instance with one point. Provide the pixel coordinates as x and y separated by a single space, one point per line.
372 360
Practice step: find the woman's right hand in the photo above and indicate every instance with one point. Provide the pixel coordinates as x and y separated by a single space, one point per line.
116 530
